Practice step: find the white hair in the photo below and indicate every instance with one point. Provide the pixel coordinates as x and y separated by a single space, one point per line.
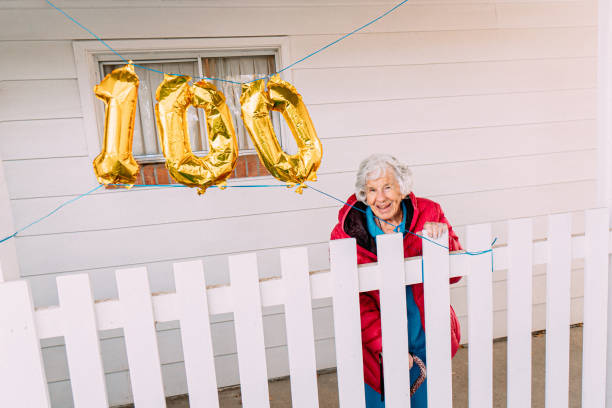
374 166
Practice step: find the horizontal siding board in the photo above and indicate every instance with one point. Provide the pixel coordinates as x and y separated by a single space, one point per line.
275 19
541 14
451 112
420 148
49 177
518 202
458 178
125 208
74 4
177 205
149 244
39 139
78 251
336 85
152 22
53 99
447 47
339 155
21 60
160 275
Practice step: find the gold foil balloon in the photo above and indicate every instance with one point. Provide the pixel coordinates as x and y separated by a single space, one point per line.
174 96
281 96
119 91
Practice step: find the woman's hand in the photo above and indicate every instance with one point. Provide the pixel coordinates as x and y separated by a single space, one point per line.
435 229
410 360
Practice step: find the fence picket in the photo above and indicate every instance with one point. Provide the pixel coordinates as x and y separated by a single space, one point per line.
140 338
595 309
436 271
393 320
249 330
519 281
22 373
82 342
347 323
300 331
195 334
480 318
558 276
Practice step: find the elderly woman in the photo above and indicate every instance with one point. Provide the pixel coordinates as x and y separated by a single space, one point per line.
383 203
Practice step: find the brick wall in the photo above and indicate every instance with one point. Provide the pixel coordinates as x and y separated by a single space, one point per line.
156 173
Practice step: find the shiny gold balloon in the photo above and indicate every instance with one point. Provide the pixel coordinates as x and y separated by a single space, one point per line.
119 91
174 96
281 96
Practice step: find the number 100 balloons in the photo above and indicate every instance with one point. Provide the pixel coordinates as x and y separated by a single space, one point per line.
119 91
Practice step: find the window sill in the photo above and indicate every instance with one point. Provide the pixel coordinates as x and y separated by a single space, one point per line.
156 173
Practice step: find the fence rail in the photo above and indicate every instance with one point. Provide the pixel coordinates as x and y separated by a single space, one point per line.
78 319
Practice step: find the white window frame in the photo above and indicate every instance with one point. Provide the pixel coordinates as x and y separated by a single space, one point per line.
88 55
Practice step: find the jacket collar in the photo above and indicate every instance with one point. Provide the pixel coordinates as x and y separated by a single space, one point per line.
359 229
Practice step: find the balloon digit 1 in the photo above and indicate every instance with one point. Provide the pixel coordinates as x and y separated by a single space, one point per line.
174 96
256 104
119 91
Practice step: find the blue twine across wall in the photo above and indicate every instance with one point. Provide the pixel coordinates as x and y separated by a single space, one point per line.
56 209
471 253
13 235
386 13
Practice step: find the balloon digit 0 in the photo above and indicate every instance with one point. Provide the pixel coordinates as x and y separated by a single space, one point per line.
174 96
119 91
256 104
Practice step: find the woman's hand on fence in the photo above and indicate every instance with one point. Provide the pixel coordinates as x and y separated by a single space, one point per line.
410 361
435 229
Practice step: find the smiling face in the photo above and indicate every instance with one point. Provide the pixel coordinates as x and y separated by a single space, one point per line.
384 196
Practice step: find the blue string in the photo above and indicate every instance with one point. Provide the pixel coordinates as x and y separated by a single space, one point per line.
244 186
422 270
213 186
13 235
51 213
227 80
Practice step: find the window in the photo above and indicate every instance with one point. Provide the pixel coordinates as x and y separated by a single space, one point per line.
238 60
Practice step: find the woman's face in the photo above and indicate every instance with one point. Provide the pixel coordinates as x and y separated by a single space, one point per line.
384 196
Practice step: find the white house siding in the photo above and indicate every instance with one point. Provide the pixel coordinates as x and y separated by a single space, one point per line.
492 103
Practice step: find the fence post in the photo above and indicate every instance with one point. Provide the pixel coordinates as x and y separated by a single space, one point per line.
558 298
300 330
519 303
140 338
248 323
22 374
393 320
436 271
82 341
480 318
595 309
347 323
192 303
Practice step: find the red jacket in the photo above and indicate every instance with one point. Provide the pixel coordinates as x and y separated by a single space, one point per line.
424 210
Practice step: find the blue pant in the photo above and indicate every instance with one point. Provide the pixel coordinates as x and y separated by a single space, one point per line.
418 400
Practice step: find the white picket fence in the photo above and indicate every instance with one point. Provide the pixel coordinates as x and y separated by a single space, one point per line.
78 319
